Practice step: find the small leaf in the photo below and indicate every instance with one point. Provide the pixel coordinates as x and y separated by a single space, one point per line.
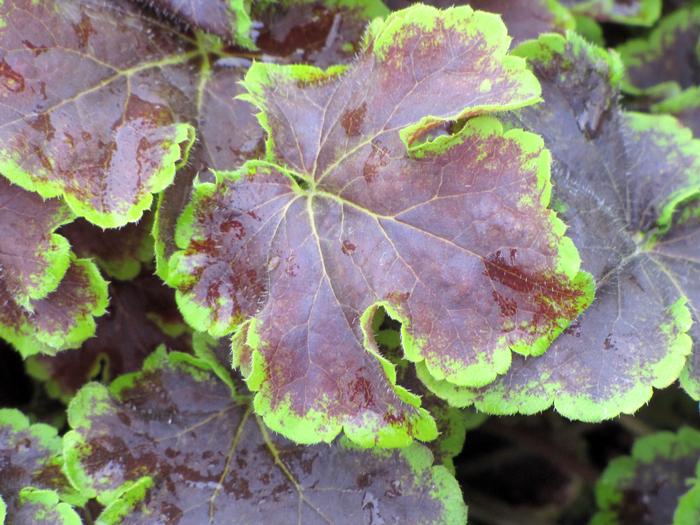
120 253
142 316
102 136
171 445
304 247
657 484
685 106
33 257
667 60
32 476
63 319
43 507
228 19
631 12
618 179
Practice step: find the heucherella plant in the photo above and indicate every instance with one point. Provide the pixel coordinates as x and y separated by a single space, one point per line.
272 260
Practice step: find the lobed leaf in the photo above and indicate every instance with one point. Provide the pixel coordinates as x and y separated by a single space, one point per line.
142 316
525 19
658 483
666 61
631 12
33 258
104 137
63 319
170 444
43 507
302 247
32 477
685 106
619 180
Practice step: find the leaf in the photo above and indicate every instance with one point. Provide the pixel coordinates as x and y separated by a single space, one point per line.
103 136
452 423
667 61
289 39
634 12
32 479
120 253
33 258
142 316
525 19
685 106
63 319
652 485
618 178
318 32
228 19
171 445
680 251
40 507
309 278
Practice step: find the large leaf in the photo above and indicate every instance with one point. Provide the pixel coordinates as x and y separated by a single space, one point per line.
104 136
63 319
32 478
632 12
658 483
33 258
618 178
667 60
228 19
302 246
142 316
171 445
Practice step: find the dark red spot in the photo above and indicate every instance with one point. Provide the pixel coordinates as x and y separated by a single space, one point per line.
348 248
253 215
352 120
363 481
206 246
544 294
574 329
83 30
42 124
12 80
126 420
378 158
608 343
233 225
36 50
369 172
395 419
508 306
361 392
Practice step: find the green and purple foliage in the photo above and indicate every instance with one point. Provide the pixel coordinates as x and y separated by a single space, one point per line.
269 261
